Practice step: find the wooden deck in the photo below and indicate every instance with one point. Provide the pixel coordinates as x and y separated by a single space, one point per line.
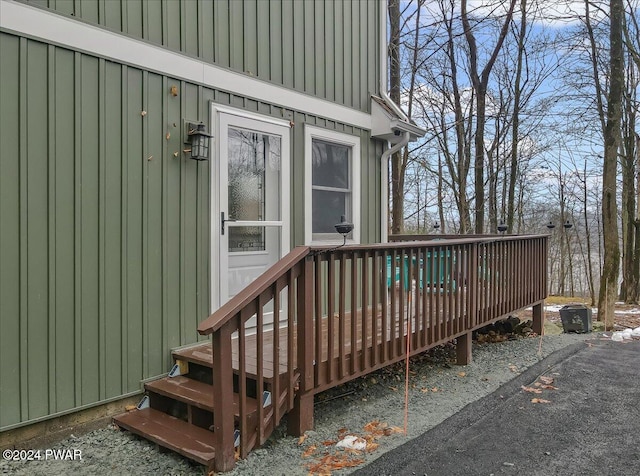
339 314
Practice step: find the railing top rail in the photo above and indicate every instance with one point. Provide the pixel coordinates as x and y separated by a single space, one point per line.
436 236
432 242
252 291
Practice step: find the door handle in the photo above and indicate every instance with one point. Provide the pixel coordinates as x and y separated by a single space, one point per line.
223 221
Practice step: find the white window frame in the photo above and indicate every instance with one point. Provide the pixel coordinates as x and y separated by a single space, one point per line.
339 138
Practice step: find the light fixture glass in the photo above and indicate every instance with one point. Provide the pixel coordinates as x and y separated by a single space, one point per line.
199 139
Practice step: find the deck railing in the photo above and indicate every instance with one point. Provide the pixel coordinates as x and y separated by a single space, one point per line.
321 317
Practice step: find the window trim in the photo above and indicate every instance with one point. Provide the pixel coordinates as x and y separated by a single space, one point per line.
340 138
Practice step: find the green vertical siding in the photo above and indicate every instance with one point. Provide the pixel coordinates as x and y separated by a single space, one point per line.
62 237
324 48
10 279
104 243
104 247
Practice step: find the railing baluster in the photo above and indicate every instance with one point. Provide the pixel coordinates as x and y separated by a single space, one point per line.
401 301
384 323
319 319
354 311
331 331
275 390
292 335
415 300
341 313
455 311
364 306
426 291
473 282
242 387
375 292
394 304
432 293
260 363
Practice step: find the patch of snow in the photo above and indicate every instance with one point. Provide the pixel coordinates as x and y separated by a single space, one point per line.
628 311
352 442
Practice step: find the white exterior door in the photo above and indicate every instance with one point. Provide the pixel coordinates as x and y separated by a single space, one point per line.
251 220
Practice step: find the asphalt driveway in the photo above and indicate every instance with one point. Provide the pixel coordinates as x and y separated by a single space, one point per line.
589 424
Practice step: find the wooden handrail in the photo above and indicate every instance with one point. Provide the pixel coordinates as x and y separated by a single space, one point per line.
232 307
399 241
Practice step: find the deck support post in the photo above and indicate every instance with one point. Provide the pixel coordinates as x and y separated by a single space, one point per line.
223 437
463 349
301 417
538 318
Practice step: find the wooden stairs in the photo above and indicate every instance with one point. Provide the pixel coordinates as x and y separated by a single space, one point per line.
177 410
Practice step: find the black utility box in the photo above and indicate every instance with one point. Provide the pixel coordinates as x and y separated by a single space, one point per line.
576 318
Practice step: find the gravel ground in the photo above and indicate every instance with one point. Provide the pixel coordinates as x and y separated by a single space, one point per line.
438 389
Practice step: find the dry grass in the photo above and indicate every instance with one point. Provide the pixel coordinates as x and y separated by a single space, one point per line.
551 300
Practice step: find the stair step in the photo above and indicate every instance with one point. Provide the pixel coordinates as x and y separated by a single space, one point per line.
170 432
203 355
193 392
198 354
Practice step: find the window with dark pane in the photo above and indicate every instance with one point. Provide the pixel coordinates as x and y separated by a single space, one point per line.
331 186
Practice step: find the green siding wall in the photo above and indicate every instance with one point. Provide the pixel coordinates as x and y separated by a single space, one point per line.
326 48
104 236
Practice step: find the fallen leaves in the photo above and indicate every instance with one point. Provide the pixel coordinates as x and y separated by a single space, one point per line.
543 383
546 380
309 451
531 389
540 400
462 374
331 462
342 453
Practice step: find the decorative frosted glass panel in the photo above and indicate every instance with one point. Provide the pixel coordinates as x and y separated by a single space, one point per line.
254 166
246 238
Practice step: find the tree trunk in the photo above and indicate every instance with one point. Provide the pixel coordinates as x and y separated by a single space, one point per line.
629 286
397 177
515 132
609 278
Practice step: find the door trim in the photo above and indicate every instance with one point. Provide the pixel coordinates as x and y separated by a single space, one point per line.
242 117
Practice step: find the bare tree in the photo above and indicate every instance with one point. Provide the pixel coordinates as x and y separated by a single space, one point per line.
480 81
609 279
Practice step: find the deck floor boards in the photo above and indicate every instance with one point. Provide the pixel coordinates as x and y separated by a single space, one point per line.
392 336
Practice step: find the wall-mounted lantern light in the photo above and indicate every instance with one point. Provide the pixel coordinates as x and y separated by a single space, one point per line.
198 138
